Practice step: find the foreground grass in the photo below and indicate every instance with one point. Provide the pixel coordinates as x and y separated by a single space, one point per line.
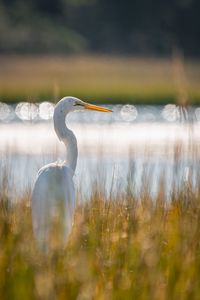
123 248
95 78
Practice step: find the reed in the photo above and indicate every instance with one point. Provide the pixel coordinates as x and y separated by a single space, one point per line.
128 246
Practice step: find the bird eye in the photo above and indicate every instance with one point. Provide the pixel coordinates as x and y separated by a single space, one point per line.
77 104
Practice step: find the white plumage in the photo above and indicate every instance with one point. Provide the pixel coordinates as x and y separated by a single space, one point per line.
53 196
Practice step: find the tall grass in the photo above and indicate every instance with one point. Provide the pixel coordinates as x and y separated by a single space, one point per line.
123 245
131 246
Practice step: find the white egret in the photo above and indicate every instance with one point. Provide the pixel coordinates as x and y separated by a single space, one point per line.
53 196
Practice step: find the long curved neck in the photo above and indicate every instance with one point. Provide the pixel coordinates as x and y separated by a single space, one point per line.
67 137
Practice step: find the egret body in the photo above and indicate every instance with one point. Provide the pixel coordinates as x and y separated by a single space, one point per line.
53 196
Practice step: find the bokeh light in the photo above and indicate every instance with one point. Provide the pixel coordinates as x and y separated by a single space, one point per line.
171 113
46 110
128 113
6 112
26 111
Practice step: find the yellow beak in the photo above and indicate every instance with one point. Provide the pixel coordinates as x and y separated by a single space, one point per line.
97 108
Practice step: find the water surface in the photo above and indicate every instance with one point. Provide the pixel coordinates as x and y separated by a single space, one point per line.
113 147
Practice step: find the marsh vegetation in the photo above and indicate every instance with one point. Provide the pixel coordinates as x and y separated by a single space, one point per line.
121 247
136 237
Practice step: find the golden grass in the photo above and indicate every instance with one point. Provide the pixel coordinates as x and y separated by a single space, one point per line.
101 78
128 247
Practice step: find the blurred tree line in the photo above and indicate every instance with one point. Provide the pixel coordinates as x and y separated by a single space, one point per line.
144 27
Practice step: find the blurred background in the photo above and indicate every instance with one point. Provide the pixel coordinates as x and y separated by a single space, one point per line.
105 50
140 58
100 26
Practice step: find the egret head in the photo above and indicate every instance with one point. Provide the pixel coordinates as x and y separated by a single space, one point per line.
68 104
